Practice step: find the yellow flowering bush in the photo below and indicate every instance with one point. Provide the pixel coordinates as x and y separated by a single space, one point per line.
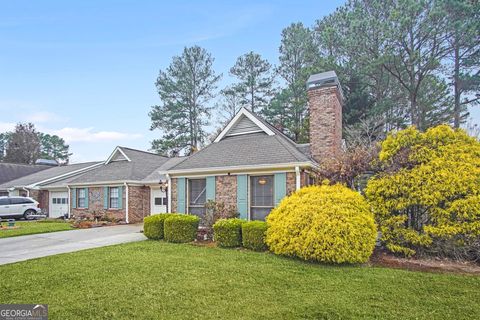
323 223
427 196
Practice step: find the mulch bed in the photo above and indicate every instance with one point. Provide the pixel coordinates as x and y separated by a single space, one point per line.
385 259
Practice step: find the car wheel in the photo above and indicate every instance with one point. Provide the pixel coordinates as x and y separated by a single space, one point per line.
28 214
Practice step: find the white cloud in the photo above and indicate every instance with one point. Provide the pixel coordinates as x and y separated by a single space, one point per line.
6 126
44 116
89 135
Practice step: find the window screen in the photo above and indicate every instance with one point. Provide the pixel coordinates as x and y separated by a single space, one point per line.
261 197
197 196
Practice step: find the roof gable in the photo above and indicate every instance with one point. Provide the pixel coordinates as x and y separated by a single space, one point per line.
117 155
244 122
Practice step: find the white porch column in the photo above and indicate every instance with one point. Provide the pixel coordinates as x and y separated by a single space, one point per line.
297 178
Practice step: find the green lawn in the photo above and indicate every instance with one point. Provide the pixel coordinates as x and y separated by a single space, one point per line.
157 280
32 227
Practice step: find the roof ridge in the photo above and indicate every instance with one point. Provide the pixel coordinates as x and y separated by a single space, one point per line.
143 151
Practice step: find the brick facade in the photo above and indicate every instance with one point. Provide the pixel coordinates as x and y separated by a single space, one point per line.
42 197
96 206
226 190
291 182
325 109
138 203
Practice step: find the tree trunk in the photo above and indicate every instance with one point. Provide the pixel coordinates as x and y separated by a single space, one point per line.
456 86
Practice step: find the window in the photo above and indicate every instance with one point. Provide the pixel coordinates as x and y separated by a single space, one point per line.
20 201
82 196
114 198
197 196
54 200
162 201
4 202
261 197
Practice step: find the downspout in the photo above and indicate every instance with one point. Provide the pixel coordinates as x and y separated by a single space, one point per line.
169 193
126 201
297 178
28 191
69 200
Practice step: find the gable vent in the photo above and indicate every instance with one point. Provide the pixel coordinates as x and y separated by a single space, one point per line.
244 126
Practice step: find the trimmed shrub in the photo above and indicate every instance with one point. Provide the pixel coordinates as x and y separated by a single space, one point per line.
253 235
228 232
153 226
323 223
181 228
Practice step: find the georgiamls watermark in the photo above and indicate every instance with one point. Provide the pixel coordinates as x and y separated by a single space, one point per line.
23 312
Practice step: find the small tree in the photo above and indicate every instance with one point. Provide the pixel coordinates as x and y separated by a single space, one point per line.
427 197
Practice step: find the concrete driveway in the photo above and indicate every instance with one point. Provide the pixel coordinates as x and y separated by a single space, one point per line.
22 248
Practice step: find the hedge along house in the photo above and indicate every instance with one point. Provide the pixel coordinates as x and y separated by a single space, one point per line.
126 187
251 165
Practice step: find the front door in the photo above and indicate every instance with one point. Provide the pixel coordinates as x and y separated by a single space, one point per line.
159 201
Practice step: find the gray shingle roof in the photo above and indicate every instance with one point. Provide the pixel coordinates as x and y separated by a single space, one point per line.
142 165
156 176
12 171
247 150
46 174
244 150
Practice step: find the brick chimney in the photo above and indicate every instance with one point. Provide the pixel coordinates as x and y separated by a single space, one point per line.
325 99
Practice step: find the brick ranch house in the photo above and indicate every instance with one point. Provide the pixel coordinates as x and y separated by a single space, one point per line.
250 166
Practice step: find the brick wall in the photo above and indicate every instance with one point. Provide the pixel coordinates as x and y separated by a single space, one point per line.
325 109
138 203
42 197
291 182
95 206
226 190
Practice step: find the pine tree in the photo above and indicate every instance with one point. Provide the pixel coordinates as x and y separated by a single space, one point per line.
255 81
185 89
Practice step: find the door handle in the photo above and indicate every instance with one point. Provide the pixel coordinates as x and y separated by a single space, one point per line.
6 207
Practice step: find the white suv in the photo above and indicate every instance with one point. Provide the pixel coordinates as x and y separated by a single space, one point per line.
18 206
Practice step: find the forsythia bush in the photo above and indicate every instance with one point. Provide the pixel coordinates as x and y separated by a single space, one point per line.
427 196
323 223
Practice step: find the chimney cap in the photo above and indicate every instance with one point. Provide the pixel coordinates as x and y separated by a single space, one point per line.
324 79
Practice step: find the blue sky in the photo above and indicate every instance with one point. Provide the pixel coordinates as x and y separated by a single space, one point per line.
85 70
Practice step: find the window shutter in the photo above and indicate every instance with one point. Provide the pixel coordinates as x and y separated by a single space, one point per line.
280 187
86 198
211 188
120 197
181 195
105 197
74 198
242 198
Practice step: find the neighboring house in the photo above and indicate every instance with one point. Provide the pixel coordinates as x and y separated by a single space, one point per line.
12 171
33 185
251 166
126 186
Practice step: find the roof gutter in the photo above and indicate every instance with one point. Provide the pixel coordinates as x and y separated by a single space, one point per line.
33 185
126 201
241 168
